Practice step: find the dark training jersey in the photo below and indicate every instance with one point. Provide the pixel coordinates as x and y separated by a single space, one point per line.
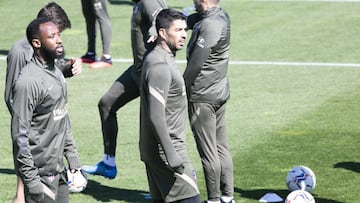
208 57
143 26
40 122
163 107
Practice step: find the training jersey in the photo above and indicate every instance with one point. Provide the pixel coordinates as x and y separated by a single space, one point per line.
40 127
163 110
19 55
208 56
143 26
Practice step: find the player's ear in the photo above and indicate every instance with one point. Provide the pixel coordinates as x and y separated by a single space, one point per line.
162 33
36 43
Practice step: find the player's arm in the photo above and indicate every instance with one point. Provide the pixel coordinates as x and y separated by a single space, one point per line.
24 103
16 60
198 54
151 10
159 81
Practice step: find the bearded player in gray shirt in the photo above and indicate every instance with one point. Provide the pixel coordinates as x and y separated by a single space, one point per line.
163 107
40 127
207 87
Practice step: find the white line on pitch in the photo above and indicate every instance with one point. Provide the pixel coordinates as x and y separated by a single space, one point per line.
268 63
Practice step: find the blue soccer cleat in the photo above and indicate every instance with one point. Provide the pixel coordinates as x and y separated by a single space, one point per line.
101 169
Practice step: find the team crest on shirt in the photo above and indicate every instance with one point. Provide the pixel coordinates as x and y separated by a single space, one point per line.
200 41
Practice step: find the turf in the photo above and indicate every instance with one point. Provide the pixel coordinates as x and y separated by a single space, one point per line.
278 116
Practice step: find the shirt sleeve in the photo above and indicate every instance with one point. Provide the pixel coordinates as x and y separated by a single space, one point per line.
24 103
16 60
151 10
159 81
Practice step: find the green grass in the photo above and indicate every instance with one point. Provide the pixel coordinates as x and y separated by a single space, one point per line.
277 117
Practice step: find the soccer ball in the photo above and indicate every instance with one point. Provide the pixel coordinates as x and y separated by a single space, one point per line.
300 196
301 178
77 180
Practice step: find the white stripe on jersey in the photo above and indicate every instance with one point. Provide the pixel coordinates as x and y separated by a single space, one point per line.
157 95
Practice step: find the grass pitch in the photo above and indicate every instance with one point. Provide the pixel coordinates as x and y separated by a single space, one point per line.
278 116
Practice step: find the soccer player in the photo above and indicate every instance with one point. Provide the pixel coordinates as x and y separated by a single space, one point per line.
40 127
207 88
95 11
21 53
163 110
126 87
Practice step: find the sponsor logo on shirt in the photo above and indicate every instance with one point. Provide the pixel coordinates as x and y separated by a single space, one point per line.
59 113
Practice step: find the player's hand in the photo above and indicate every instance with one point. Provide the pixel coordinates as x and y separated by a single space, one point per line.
151 39
76 66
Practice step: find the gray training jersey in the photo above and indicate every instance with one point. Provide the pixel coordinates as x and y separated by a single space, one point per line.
163 110
40 123
208 57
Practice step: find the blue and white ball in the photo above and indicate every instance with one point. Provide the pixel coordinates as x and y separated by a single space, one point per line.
301 178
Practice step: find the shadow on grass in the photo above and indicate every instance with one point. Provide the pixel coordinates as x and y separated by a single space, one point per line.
7 171
352 166
103 193
4 52
121 2
257 194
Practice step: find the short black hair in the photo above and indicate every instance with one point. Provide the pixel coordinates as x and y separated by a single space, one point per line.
166 17
56 14
32 30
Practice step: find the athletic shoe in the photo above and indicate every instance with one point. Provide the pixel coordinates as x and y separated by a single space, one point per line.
87 58
103 63
101 169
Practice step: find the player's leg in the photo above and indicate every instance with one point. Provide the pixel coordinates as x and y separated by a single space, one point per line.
62 195
122 91
203 124
226 181
19 196
102 16
90 19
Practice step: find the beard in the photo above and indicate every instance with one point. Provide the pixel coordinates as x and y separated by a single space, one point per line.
52 54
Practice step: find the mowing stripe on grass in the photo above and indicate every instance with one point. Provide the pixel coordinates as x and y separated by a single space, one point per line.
269 63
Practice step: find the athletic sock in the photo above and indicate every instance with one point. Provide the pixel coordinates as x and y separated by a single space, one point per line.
109 160
107 56
227 199
208 201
